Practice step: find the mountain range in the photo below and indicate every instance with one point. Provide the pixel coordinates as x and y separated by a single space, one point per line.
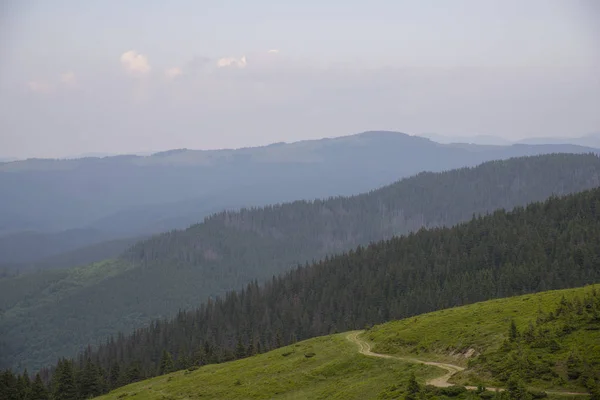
589 140
58 312
98 200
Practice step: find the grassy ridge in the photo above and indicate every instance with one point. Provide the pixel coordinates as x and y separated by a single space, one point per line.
338 371
335 371
477 337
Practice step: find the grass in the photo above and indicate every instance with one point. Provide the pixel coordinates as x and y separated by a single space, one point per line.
336 371
460 335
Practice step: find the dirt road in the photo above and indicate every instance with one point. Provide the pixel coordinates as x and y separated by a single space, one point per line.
442 381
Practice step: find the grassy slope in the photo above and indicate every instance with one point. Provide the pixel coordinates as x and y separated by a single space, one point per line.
447 335
339 371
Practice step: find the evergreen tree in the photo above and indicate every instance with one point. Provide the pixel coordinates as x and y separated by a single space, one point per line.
134 373
63 382
90 380
592 386
251 349
412 388
38 390
516 390
240 350
24 385
166 363
9 387
114 375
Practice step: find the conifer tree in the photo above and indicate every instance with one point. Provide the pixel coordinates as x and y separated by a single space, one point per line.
166 363
63 385
38 390
134 373
114 375
240 350
90 380
9 385
412 387
516 390
24 385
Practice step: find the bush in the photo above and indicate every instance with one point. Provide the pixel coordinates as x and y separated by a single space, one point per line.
452 391
537 395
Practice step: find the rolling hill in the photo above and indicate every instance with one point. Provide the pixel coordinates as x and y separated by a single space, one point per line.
470 337
181 269
129 196
544 246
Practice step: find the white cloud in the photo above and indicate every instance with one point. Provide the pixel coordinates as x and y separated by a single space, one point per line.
172 73
273 51
68 78
232 62
39 86
135 62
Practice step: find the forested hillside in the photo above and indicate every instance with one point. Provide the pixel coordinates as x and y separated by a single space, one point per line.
59 250
327 226
181 269
546 245
131 196
538 357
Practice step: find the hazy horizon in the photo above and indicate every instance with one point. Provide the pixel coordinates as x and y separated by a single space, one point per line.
431 136
143 77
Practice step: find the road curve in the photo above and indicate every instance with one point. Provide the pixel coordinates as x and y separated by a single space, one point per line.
441 381
365 348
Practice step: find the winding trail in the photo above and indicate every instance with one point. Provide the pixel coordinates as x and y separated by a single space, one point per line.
442 381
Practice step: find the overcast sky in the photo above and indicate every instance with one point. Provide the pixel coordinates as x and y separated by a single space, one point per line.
144 75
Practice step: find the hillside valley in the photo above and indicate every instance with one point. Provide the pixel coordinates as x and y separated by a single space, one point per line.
546 245
103 199
181 269
299 200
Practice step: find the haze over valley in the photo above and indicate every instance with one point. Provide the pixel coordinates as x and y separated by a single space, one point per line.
388 200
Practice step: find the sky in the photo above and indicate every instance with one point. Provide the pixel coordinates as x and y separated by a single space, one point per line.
130 76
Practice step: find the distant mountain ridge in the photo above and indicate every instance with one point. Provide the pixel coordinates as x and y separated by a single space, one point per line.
130 196
589 140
